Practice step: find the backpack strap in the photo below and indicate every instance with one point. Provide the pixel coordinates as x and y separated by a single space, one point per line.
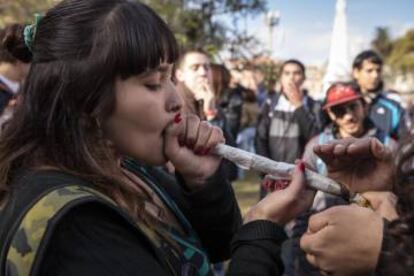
27 244
190 246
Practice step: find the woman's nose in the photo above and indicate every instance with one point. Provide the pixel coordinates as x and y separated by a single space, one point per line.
175 106
174 101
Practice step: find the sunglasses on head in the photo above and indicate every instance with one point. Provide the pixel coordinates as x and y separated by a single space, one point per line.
340 110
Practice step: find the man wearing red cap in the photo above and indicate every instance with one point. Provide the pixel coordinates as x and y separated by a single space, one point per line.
348 112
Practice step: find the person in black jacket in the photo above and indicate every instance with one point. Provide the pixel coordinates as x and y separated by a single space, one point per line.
80 193
288 119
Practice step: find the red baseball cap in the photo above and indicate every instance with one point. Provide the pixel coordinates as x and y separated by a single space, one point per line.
340 94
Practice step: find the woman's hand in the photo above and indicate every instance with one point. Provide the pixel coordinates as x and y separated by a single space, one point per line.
344 240
187 144
360 164
282 206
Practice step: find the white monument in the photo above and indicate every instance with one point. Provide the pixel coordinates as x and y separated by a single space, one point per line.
339 65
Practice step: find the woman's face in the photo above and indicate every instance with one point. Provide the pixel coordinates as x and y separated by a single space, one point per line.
145 105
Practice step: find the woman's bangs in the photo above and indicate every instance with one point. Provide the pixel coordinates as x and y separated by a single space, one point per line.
143 42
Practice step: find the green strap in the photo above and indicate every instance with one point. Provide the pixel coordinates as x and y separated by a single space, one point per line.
30 233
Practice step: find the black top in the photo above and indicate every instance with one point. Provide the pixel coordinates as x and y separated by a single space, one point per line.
94 240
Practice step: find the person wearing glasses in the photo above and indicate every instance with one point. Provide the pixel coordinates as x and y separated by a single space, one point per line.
348 113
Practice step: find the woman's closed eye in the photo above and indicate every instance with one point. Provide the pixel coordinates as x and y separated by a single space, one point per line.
153 87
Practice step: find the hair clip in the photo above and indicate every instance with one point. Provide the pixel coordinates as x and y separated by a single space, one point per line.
30 31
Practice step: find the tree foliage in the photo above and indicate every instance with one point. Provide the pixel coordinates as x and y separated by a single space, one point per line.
196 23
382 42
22 11
199 24
398 53
402 55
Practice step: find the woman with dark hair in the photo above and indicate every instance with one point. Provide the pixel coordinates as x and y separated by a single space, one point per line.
80 192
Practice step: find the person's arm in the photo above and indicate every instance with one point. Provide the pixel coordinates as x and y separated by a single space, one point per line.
94 240
256 249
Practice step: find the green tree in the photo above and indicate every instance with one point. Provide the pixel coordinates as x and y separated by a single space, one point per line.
402 54
12 11
196 23
382 42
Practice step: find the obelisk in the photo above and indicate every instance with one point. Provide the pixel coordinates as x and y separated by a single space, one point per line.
338 64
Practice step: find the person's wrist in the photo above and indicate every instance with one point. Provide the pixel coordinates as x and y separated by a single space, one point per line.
256 213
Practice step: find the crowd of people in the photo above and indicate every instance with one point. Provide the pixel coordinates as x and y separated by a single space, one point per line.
106 168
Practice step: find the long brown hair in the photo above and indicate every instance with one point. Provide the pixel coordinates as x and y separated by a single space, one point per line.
399 260
80 48
221 79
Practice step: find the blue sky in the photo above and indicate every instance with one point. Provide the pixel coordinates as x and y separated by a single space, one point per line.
305 28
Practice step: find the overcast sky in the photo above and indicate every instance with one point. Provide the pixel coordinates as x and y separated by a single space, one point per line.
305 27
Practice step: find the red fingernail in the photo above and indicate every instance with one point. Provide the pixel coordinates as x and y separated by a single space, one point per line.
177 118
206 151
302 166
181 143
